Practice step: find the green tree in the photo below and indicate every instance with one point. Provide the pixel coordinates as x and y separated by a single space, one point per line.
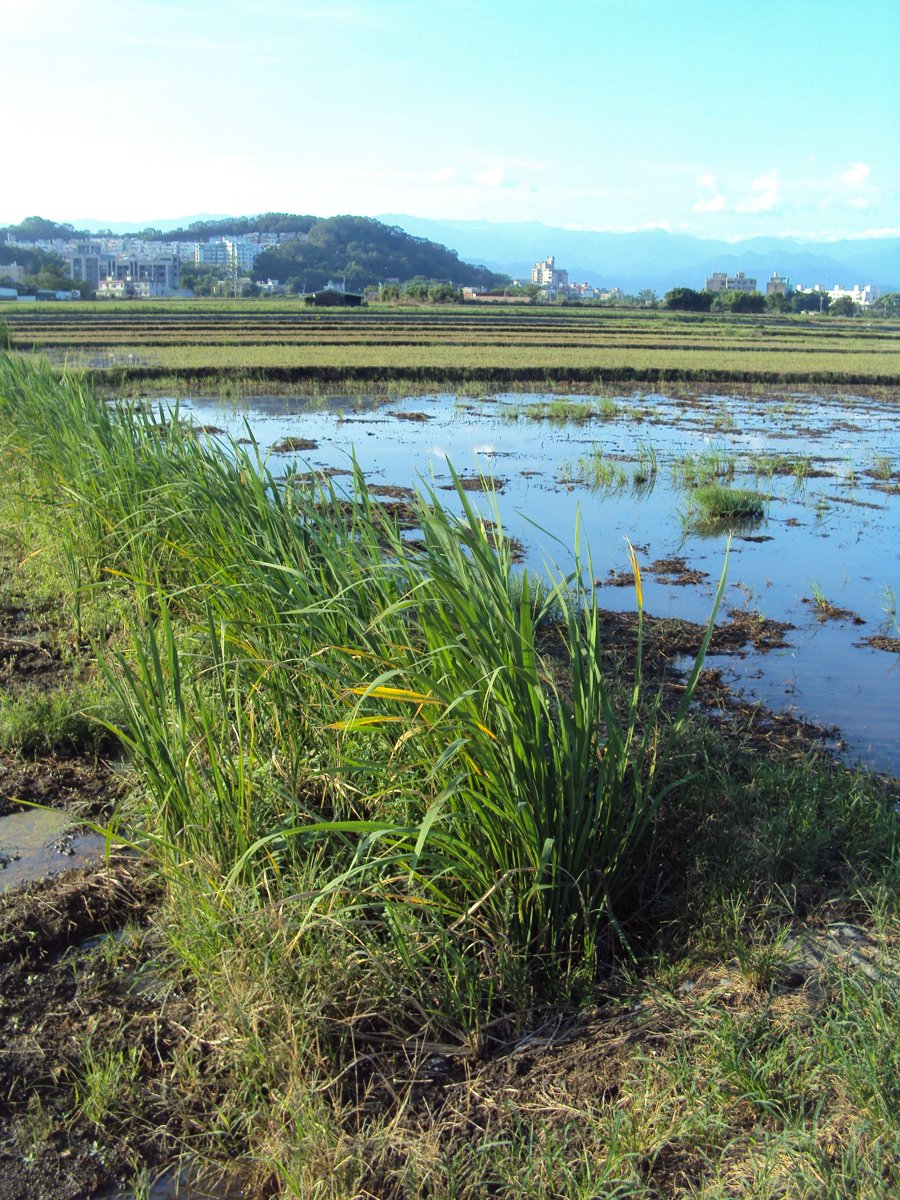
688 300
738 302
810 302
778 303
842 307
444 293
200 278
887 305
416 291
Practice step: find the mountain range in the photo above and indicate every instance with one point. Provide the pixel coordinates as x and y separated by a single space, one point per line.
658 259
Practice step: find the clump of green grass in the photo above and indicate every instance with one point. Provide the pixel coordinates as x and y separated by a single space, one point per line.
819 600
882 467
108 1082
595 471
696 470
62 721
644 474
716 507
782 464
570 411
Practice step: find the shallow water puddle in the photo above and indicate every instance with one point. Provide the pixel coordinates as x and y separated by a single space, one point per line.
183 1185
828 467
40 842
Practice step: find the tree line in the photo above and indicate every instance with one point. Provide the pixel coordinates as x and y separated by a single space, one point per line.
687 299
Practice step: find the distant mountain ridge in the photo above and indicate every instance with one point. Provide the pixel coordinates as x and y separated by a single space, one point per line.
658 259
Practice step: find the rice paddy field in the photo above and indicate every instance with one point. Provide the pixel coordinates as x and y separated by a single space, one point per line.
476 739
289 342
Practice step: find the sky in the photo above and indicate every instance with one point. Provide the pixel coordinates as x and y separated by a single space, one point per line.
719 118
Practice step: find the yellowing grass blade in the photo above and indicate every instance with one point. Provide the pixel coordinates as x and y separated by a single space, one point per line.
638 586
389 693
359 722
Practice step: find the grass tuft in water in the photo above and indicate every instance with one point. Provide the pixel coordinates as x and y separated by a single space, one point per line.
716 507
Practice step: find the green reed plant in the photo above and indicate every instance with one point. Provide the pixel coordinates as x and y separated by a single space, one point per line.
540 797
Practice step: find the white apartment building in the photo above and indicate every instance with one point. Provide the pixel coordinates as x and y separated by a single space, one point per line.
546 275
234 253
863 296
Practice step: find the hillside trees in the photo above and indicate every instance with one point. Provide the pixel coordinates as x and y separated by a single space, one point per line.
363 251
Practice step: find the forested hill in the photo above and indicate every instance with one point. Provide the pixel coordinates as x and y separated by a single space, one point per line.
364 251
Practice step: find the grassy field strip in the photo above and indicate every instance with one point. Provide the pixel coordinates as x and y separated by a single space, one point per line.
391 336
398 359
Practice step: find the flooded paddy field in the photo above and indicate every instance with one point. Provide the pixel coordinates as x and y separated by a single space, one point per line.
818 550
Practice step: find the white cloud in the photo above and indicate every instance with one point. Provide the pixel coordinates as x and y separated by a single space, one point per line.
856 175
492 177
707 181
859 202
886 231
712 205
443 174
765 194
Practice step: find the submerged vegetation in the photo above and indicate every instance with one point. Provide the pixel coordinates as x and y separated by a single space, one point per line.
412 812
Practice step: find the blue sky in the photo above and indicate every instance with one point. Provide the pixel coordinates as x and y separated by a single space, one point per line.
722 118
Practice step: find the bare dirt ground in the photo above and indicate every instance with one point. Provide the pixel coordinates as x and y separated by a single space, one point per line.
68 1006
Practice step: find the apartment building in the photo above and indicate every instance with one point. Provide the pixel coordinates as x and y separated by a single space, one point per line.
720 282
236 254
547 275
